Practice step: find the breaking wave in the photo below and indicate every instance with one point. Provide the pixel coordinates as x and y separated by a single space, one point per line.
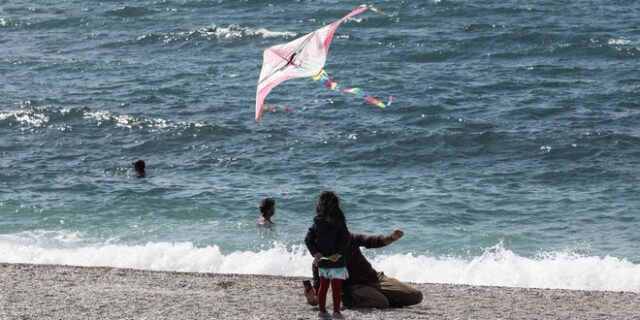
45 117
497 266
214 33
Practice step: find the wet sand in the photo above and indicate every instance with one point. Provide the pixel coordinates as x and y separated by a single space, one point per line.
65 292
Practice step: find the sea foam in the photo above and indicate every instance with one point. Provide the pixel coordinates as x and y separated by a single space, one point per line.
214 32
497 266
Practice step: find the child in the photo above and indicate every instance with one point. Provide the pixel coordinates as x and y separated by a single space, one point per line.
327 240
267 210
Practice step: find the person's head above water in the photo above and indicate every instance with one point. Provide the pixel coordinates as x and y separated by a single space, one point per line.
267 209
329 207
139 166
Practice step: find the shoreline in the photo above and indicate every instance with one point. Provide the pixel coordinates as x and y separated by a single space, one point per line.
30 291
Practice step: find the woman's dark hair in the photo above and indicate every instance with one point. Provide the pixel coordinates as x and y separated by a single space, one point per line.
266 204
329 207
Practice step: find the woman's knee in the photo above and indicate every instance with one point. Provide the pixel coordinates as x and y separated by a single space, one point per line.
367 297
408 297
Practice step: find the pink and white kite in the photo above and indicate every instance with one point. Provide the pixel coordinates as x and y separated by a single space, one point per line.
302 57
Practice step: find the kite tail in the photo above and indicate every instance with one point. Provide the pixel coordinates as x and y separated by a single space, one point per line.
361 94
329 83
326 81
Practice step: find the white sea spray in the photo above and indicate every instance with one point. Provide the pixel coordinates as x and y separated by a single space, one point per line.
497 266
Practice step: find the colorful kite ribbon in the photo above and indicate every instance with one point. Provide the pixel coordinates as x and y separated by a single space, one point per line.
329 83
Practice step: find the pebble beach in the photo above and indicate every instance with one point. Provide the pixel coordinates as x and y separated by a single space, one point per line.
66 292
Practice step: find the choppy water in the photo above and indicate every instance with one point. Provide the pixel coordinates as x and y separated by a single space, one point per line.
510 155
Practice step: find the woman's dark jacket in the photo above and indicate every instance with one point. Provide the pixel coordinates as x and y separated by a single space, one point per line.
328 239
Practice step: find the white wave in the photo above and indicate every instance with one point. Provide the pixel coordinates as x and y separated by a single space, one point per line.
29 117
215 33
272 34
618 41
497 266
37 117
235 31
165 256
130 122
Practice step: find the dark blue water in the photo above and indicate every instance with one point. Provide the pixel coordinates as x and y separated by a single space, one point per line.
513 135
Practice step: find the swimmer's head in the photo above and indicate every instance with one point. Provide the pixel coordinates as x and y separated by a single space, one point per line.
268 207
139 166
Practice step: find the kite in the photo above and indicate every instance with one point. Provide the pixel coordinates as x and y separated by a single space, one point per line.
304 57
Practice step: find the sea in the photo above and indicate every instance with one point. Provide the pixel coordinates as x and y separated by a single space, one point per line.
509 156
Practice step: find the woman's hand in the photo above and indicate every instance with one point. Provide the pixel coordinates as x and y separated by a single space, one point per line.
397 234
317 256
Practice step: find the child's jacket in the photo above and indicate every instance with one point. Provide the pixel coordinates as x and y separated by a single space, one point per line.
328 239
